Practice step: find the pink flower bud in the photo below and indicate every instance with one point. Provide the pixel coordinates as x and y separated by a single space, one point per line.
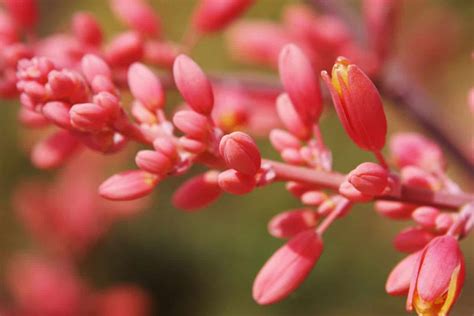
58 113
8 29
240 153
281 140
313 198
93 66
412 149
299 81
416 177
291 119
425 216
103 84
86 29
398 281
192 124
296 188
358 105
412 239
290 223
138 15
54 150
167 147
193 85
395 210
369 178
109 103
292 156
349 191
192 145
197 192
161 54
152 161
128 185
122 300
88 117
438 277
124 50
60 84
287 268
214 15
145 86
235 182
24 12
258 42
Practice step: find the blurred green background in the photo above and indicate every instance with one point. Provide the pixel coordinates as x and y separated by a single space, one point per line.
203 264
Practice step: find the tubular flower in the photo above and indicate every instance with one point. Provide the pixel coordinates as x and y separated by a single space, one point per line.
437 279
358 105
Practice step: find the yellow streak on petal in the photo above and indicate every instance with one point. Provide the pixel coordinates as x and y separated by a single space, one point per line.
340 68
452 289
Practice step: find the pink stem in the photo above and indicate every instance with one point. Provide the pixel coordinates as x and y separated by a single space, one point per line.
332 181
341 207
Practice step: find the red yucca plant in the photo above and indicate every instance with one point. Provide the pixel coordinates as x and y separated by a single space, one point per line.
99 95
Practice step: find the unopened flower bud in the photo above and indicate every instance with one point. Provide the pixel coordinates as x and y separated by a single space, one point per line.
416 177
124 49
87 29
299 81
426 216
193 85
369 178
313 198
412 239
24 12
197 192
128 185
395 210
153 161
92 66
58 113
290 223
438 277
287 268
192 124
443 222
138 15
281 140
398 281
358 105
214 15
145 86
235 182
88 117
240 153
291 119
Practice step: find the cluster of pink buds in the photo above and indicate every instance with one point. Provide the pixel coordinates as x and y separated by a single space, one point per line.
100 96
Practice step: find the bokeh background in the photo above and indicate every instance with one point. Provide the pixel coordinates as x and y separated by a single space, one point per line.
203 264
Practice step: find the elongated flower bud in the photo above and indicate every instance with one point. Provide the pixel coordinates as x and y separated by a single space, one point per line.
426 216
214 15
54 150
235 182
301 84
281 140
124 49
87 29
287 268
290 223
92 66
438 277
152 161
358 105
412 239
369 178
197 192
145 86
24 12
291 119
193 85
398 281
192 124
58 113
395 210
138 15
88 117
240 153
128 185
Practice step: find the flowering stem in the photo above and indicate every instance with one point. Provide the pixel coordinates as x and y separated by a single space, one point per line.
341 207
407 194
381 159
